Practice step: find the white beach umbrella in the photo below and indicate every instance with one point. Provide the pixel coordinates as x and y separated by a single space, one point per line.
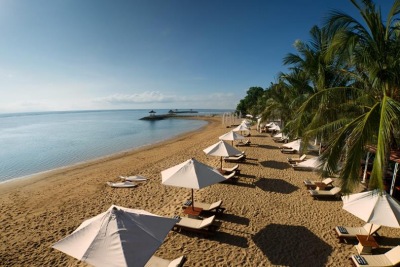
274 128
231 136
221 149
374 207
241 127
191 174
118 237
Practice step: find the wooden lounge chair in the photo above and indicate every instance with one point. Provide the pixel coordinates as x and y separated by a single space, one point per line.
347 232
390 258
239 158
206 226
288 151
159 262
280 139
213 207
125 184
232 169
320 194
319 185
230 177
295 160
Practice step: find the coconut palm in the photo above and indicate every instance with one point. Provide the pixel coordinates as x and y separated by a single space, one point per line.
371 104
320 71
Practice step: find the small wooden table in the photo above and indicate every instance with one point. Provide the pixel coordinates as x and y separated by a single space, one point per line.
192 212
365 246
320 185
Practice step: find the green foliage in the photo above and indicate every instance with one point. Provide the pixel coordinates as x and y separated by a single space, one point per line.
251 103
343 86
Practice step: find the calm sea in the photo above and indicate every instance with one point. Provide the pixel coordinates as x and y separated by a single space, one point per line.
36 142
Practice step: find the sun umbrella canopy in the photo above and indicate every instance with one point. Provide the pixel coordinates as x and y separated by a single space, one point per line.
118 237
241 127
221 149
231 136
374 207
191 174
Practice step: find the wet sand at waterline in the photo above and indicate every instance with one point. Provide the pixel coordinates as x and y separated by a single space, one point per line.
270 218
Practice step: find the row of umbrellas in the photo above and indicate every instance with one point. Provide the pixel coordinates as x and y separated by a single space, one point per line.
129 237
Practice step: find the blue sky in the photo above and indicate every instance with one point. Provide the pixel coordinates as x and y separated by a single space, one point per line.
133 54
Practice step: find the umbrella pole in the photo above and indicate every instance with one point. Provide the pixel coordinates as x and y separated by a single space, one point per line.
221 163
192 201
370 229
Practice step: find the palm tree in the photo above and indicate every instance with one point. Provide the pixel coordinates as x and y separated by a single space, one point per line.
372 108
321 71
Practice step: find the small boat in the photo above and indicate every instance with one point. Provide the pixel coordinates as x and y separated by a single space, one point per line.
126 184
133 178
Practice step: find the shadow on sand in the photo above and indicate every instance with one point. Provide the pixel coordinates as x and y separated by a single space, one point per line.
269 147
234 219
387 241
241 183
220 236
234 240
275 185
289 245
275 164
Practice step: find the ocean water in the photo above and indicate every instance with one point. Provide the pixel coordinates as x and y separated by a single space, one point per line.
36 142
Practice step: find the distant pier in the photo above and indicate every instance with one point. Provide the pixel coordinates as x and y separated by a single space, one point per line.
171 113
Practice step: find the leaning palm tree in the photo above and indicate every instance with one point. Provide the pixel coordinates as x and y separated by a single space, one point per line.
321 72
371 104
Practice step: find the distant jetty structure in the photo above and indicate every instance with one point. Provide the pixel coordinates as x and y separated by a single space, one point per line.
175 111
171 113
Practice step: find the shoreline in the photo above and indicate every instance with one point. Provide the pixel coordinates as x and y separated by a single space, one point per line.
19 181
269 218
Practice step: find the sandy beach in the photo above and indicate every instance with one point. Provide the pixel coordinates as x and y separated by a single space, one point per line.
270 218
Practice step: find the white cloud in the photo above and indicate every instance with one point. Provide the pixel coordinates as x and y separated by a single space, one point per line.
160 100
145 97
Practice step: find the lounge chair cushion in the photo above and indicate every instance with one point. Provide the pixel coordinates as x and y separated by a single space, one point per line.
207 206
195 223
351 232
390 258
231 175
231 169
325 193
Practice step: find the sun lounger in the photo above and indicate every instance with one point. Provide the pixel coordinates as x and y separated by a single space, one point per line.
159 262
295 160
320 194
245 143
390 258
319 185
216 206
239 158
280 139
231 177
125 184
288 151
347 232
206 226
232 169
134 178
